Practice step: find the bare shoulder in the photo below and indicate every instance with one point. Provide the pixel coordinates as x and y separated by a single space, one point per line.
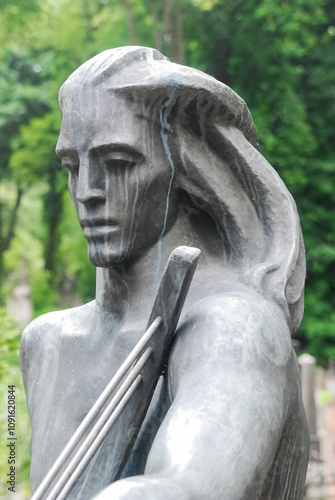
232 331
49 327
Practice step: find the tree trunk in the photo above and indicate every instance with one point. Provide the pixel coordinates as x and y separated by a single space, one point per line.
53 210
130 22
157 28
12 221
177 45
173 22
51 246
6 239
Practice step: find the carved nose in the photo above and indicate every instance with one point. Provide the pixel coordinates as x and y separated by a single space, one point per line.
90 185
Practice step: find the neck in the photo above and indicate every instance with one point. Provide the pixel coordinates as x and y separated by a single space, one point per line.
126 293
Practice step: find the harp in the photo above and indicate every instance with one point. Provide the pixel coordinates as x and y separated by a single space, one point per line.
139 372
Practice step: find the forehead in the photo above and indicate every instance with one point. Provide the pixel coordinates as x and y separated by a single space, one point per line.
92 116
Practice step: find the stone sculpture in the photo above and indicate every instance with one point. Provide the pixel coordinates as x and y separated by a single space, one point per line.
160 155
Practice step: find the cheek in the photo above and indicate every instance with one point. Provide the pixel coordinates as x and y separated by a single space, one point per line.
156 206
161 189
124 189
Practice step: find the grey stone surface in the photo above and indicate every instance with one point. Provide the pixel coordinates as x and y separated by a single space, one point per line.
160 155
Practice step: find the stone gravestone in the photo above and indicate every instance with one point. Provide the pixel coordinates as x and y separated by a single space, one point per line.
160 155
307 363
315 478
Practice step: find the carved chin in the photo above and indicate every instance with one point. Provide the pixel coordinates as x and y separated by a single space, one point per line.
102 255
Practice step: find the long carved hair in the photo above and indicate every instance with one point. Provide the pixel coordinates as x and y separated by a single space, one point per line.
209 136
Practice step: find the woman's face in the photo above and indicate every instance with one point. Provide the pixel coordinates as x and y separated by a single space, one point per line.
119 174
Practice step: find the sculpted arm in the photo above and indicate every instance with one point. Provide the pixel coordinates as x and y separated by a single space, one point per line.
38 353
228 379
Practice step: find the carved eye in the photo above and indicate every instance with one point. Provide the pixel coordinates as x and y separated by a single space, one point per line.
71 166
116 163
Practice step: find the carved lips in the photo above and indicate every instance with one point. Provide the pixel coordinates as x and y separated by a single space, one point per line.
99 228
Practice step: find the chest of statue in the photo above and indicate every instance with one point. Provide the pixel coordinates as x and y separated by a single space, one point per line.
73 370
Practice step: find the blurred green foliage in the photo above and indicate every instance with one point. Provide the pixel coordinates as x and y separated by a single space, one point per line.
278 55
10 374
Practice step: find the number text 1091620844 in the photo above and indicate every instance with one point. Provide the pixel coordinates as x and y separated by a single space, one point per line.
11 439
